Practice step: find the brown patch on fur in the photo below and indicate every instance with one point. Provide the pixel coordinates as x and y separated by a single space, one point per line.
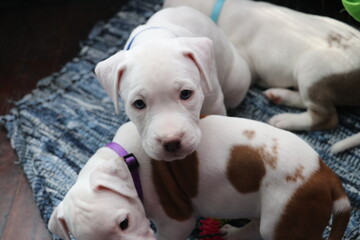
337 40
308 211
176 182
298 175
271 158
250 134
203 116
246 167
331 91
275 147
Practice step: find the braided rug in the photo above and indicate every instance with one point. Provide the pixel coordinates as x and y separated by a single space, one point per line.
59 125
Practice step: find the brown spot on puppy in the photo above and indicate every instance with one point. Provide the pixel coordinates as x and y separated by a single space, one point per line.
250 134
308 211
336 40
298 175
176 182
271 158
331 91
275 147
246 168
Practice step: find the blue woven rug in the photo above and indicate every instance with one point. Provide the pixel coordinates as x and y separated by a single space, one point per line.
58 126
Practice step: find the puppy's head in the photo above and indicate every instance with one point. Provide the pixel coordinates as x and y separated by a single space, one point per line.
162 83
102 205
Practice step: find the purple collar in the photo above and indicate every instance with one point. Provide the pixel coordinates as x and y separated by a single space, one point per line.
132 164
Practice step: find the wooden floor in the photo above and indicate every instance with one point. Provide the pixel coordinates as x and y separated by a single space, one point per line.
35 41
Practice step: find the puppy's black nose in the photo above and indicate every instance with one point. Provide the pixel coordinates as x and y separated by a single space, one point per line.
172 146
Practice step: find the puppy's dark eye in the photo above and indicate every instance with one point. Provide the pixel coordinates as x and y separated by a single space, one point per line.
124 224
185 94
139 104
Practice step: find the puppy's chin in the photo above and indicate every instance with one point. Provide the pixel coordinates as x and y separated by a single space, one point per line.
169 157
176 156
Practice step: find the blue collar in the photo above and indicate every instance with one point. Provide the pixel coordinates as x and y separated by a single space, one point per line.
217 10
128 46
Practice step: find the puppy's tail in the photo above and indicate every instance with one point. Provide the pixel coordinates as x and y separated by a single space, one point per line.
341 213
346 143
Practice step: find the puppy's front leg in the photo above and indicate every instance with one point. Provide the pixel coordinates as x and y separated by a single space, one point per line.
174 230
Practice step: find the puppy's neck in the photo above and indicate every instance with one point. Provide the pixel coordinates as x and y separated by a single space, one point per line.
156 32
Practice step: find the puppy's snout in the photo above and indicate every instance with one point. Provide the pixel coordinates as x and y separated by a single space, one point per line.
172 146
171 141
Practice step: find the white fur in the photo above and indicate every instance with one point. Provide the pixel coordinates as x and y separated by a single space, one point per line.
341 205
216 196
285 48
346 143
177 49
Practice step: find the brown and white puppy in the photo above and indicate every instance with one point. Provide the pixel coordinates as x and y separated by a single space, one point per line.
241 169
317 56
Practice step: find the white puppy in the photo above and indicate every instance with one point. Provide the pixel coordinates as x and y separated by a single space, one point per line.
317 56
241 169
176 66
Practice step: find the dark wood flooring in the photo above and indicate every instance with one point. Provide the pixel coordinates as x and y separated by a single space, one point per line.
35 41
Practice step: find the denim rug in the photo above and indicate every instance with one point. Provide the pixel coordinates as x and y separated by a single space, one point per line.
59 125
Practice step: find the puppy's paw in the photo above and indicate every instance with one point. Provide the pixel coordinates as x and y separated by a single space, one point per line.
291 121
248 232
228 231
274 95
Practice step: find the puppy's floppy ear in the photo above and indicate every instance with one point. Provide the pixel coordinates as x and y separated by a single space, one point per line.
57 223
200 50
113 175
109 73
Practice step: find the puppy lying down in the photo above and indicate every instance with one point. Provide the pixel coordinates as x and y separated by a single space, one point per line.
241 169
318 57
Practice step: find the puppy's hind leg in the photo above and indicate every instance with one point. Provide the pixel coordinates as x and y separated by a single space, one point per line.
285 97
319 97
292 121
319 116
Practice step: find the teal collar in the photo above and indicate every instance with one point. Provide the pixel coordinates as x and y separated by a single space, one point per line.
217 10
